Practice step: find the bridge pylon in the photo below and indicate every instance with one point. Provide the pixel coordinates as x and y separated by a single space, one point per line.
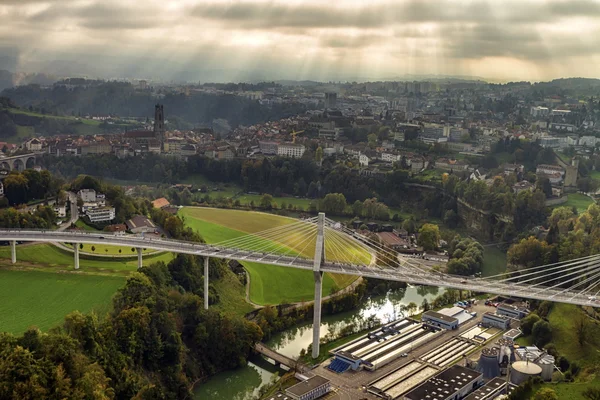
206 283
318 260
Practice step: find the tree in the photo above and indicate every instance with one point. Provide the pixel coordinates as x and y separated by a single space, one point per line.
545 394
319 155
266 201
429 237
334 203
93 248
542 333
581 326
528 322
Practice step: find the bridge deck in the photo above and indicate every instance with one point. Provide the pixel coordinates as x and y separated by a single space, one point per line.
405 273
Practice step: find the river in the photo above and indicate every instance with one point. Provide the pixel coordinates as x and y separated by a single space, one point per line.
244 383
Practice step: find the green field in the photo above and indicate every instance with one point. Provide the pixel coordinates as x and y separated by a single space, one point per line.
50 256
110 250
268 284
44 298
577 200
595 174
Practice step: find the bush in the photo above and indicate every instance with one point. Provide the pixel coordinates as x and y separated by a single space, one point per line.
542 333
528 322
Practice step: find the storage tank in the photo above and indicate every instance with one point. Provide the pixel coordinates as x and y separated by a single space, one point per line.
546 362
520 371
488 363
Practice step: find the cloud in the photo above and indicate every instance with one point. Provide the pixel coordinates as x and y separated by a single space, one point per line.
307 38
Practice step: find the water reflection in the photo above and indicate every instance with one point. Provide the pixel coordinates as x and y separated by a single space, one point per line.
244 383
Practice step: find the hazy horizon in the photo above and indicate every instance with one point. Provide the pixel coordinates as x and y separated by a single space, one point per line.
187 40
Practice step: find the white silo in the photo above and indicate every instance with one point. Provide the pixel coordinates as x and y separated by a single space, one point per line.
520 371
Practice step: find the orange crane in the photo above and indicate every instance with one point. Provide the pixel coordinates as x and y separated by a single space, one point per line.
294 133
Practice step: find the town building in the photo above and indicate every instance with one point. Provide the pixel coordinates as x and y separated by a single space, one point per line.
453 383
140 224
312 388
160 203
87 195
100 214
60 210
523 186
290 150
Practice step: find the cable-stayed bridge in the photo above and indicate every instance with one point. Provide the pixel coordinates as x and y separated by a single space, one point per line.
322 245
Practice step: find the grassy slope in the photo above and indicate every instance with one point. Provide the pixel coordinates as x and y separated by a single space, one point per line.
49 255
44 298
588 356
107 249
268 284
579 201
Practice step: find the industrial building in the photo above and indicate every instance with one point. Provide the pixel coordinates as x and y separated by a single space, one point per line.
382 346
512 311
447 353
312 388
454 383
440 320
490 390
534 355
496 320
520 371
401 380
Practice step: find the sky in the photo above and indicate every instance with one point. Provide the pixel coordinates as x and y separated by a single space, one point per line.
226 40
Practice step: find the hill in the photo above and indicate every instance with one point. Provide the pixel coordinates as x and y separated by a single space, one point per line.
268 284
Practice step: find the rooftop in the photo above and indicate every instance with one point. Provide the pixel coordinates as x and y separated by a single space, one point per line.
306 386
439 316
160 203
444 384
485 392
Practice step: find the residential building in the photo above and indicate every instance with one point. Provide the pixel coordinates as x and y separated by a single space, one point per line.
312 388
33 145
363 160
101 214
60 210
87 195
96 148
140 224
522 186
290 150
160 203
549 169
513 168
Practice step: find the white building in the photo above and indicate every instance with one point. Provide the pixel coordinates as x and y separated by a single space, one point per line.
61 211
539 112
290 150
363 160
33 145
101 214
87 195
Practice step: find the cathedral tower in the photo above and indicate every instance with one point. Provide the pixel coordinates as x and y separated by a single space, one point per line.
159 125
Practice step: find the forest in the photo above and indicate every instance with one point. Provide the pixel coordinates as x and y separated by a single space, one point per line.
122 99
157 341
